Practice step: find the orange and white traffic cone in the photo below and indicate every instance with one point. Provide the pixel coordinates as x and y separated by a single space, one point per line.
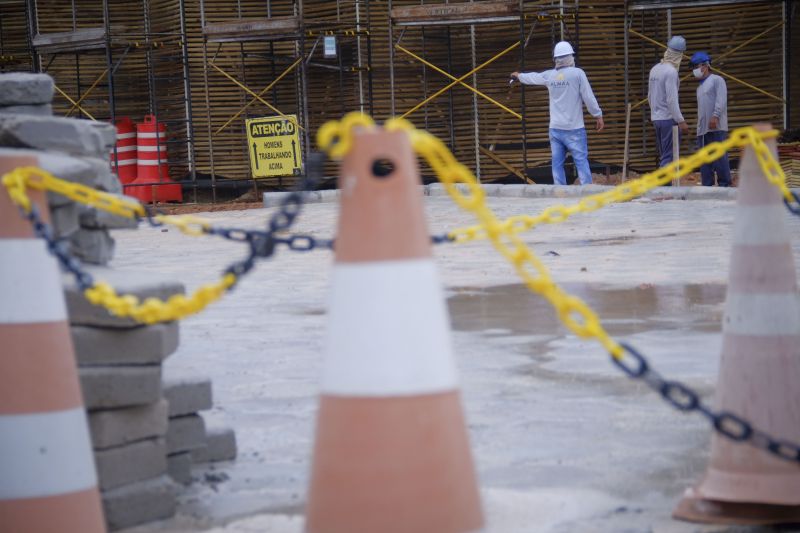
47 476
391 453
759 376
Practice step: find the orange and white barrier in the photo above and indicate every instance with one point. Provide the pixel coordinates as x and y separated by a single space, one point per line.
124 161
152 182
47 476
391 450
759 377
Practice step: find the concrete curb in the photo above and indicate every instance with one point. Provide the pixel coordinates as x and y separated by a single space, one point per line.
273 199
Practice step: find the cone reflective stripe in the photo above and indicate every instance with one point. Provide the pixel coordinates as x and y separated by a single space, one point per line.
124 162
759 377
391 450
47 477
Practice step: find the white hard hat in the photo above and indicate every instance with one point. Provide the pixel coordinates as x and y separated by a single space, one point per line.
563 48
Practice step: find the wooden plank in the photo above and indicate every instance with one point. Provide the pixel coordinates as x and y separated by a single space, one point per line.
252 29
462 13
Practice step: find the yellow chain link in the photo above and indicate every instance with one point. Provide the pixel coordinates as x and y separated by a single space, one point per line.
151 310
337 138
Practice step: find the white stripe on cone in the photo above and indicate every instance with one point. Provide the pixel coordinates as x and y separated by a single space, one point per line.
760 225
131 148
401 344
130 135
155 148
29 278
51 454
151 162
143 135
762 314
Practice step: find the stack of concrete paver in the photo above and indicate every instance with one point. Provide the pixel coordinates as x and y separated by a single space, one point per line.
120 368
72 149
133 426
189 442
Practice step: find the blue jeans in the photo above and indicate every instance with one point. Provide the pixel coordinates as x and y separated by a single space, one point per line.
575 142
720 166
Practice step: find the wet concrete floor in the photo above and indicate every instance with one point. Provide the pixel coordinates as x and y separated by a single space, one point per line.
563 441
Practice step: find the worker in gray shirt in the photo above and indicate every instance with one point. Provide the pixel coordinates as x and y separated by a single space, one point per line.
569 90
712 118
662 94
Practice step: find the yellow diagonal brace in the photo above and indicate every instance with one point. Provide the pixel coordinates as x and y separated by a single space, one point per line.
254 95
85 94
73 102
254 100
505 164
466 85
722 73
459 79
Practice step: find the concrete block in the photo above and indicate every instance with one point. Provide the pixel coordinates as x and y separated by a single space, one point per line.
185 433
65 219
329 195
712 193
187 395
92 218
105 178
143 286
512 191
436 189
139 503
95 246
668 193
179 467
134 346
72 136
130 463
40 109
535 191
23 88
491 189
116 427
120 386
220 446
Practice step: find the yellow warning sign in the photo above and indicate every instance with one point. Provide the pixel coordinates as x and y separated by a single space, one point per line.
274 146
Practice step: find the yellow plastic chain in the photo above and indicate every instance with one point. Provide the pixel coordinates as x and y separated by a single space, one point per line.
152 310
337 138
20 179
739 138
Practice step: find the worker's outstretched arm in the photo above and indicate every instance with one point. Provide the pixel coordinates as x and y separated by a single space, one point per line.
530 78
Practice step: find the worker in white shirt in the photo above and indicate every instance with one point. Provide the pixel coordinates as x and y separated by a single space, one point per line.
712 118
662 94
569 90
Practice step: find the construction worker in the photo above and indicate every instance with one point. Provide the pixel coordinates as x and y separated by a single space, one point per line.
569 90
662 94
712 118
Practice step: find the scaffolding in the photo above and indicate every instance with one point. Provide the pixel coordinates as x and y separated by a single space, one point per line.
136 34
475 14
300 36
15 38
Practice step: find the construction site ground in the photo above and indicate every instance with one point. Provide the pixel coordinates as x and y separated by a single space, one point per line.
562 440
